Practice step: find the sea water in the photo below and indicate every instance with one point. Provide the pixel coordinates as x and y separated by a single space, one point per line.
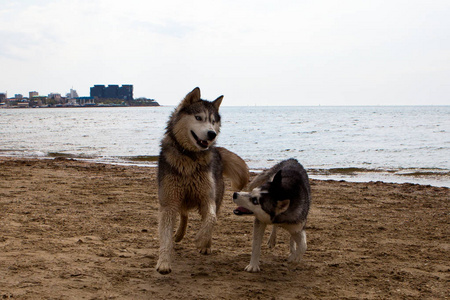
388 143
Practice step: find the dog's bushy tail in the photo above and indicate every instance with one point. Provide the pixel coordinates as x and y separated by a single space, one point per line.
234 168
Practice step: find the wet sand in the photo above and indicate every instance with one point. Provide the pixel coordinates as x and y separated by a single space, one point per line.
77 230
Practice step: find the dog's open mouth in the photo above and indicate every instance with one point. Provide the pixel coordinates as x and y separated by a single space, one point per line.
202 143
240 211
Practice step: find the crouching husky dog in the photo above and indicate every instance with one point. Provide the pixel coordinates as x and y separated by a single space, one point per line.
280 196
190 173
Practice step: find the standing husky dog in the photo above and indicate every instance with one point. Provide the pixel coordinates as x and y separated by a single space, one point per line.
280 196
190 173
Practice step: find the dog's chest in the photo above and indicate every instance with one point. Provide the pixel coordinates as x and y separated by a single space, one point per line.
198 188
192 180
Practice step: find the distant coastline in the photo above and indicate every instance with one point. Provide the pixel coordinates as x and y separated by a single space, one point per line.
141 102
100 96
77 106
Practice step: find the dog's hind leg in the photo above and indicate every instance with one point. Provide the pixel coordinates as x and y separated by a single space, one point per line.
166 226
292 245
300 240
182 227
273 237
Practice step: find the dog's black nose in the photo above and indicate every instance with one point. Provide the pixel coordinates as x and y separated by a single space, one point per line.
211 135
235 195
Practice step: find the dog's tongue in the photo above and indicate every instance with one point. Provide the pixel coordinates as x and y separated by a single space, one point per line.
242 211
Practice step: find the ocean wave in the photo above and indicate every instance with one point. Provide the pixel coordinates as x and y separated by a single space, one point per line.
399 171
425 176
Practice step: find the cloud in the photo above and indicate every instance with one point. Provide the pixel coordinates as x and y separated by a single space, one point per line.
16 41
169 28
252 51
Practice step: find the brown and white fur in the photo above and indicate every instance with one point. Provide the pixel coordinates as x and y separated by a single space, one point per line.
190 173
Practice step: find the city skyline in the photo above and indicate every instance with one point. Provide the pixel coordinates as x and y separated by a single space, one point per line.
71 94
100 95
127 91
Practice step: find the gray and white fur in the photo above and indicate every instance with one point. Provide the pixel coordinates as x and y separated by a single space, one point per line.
280 196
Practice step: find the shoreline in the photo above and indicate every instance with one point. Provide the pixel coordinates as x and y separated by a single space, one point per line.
73 229
387 177
432 177
81 106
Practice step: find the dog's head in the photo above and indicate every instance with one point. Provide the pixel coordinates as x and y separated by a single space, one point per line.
195 123
265 202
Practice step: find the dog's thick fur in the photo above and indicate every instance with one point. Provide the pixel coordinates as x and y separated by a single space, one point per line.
280 196
190 173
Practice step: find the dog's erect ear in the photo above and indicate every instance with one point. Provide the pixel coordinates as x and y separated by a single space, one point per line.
217 102
282 206
277 179
190 98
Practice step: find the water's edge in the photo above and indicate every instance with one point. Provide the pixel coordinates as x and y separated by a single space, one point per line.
433 177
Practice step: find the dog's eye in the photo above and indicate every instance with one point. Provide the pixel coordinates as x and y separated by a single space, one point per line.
254 200
198 118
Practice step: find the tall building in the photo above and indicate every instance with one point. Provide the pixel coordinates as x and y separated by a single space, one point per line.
73 94
98 91
126 92
113 91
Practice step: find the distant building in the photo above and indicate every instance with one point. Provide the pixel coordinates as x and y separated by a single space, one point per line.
33 94
54 96
3 97
98 91
113 91
18 96
23 104
38 100
126 92
85 101
73 94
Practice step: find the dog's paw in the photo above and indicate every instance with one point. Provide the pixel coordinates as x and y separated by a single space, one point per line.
163 267
203 245
205 250
252 268
294 258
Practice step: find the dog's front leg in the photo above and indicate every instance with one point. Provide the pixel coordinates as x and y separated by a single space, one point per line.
166 226
209 219
258 233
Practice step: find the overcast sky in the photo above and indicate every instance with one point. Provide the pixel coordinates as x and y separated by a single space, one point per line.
258 52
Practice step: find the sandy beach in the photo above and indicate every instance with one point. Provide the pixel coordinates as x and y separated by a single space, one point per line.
79 230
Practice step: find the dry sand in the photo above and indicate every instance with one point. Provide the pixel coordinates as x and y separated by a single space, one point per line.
76 230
